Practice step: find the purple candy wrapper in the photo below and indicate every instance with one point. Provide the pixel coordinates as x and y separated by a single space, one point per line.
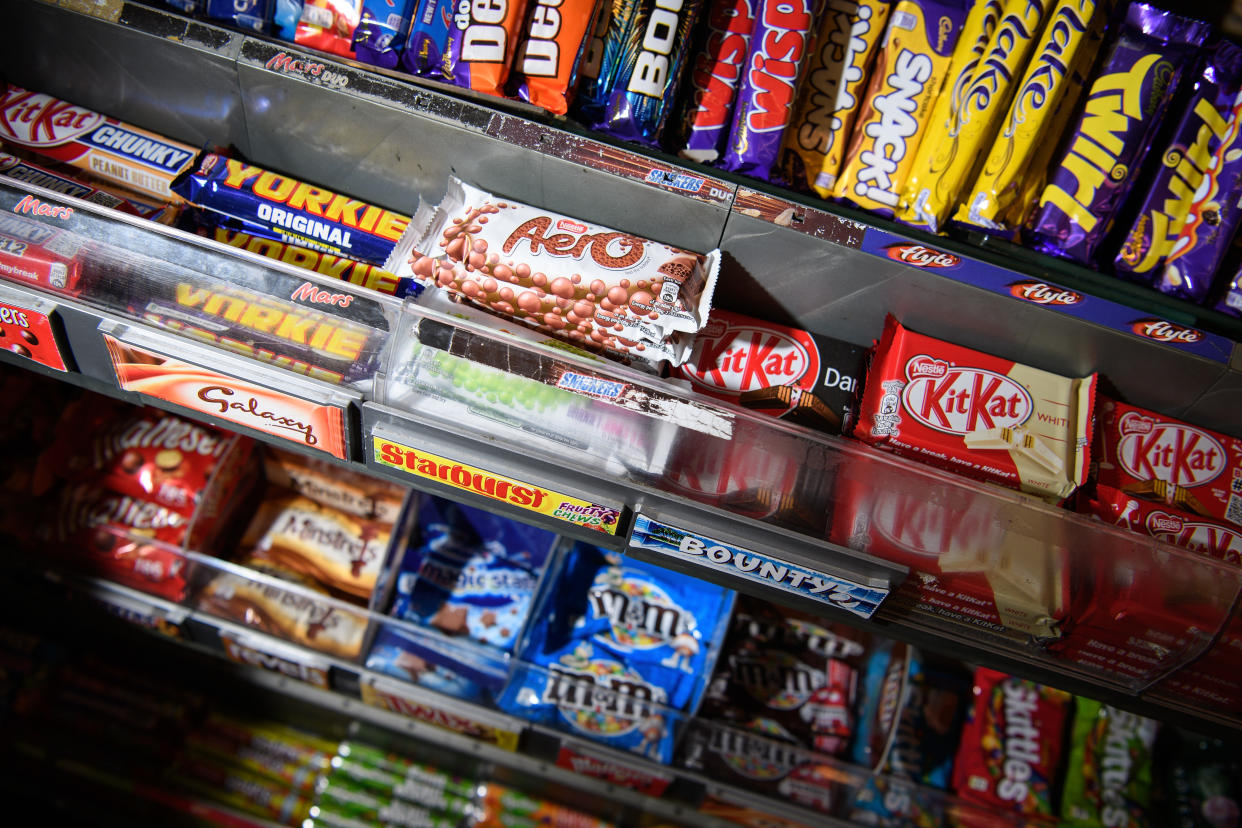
1231 301
382 30
245 14
780 46
430 24
1180 235
1123 110
649 70
601 58
714 77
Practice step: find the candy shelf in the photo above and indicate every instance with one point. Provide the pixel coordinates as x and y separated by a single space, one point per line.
391 141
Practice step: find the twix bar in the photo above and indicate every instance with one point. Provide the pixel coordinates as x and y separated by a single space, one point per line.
976 414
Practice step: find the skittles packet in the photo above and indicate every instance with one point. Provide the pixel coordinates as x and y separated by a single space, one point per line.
909 70
619 647
990 55
1190 212
1041 104
1124 108
829 97
779 46
1011 745
1108 775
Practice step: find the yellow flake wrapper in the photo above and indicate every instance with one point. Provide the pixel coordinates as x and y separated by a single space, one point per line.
830 96
909 71
970 121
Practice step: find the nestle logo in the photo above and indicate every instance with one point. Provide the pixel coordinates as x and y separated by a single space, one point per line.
1044 294
920 256
1163 331
571 226
1132 423
1161 522
925 366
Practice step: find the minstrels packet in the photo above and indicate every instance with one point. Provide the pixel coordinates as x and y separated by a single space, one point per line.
976 414
1124 108
829 96
780 44
289 210
970 111
1068 43
1190 212
715 74
909 70
649 70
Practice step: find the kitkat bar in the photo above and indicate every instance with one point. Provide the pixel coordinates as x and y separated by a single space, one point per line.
979 415
969 567
104 147
1012 746
1176 525
800 377
1160 459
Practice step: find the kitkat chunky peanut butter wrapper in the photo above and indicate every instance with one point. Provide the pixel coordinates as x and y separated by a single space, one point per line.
998 200
1124 108
909 70
780 45
590 285
978 415
1190 212
986 66
830 95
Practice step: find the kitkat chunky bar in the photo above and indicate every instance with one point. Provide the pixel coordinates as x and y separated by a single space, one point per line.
594 286
977 414
1124 108
104 147
1167 461
909 70
289 210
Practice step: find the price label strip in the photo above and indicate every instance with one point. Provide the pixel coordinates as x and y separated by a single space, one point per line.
612 768
653 536
404 700
275 657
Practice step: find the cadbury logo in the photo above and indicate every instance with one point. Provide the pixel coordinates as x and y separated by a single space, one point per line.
920 256
1044 294
1162 331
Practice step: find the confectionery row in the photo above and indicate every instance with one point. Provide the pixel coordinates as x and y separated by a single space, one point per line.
1099 132
567 636
538 277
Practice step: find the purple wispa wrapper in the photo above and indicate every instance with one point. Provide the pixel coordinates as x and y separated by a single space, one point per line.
780 46
1231 300
714 75
1190 211
1127 102
643 92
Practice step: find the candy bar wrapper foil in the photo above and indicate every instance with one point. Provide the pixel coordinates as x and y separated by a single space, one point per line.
830 94
649 69
244 14
482 43
1230 301
970 109
780 46
1070 39
602 56
326 25
912 64
715 72
1206 183
382 30
1124 108
426 48
1011 747
545 69
587 284
1109 772
618 647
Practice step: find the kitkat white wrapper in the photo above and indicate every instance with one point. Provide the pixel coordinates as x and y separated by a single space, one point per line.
590 285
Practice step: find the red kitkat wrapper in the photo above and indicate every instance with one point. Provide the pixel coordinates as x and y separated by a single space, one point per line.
1163 460
1012 744
976 414
1215 538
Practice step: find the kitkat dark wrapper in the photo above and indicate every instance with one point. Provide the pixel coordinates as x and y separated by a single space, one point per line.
545 68
649 70
289 210
780 47
1124 108
715 72
1190 212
